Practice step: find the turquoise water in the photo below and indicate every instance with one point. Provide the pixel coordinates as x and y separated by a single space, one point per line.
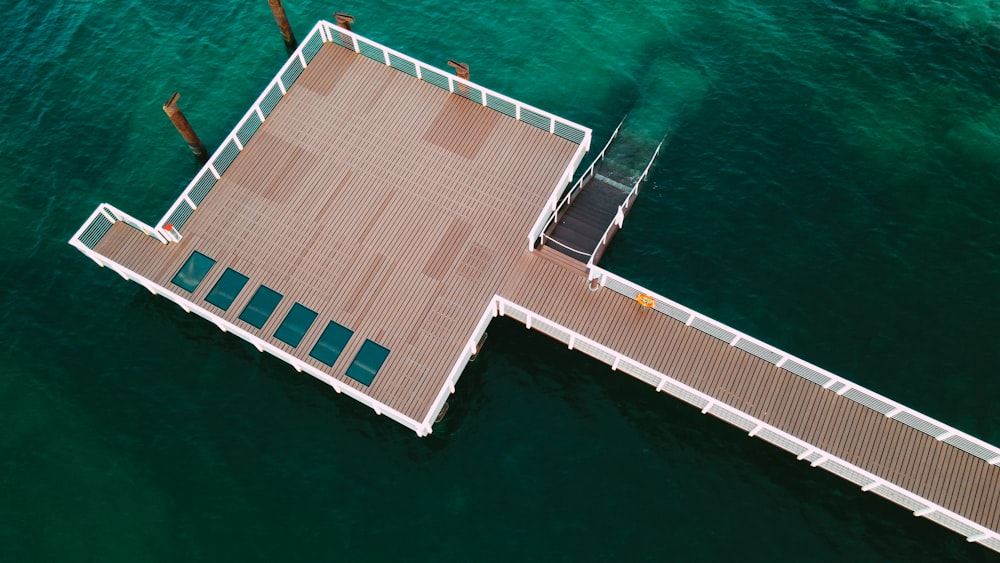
830 184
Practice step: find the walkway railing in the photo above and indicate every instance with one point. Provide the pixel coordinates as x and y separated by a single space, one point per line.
755 427
619 220
326 32
468 351
829 381
549 210
572 132
259 343
233 144
100 222
587 174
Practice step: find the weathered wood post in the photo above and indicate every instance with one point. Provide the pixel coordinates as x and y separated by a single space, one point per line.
282 20
184 128
462 70
343 20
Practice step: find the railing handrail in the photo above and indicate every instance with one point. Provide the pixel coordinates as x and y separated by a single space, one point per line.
259 343
326 31
843 385
452 79
565 201
255 109
620 214
712 405
426 427
115 215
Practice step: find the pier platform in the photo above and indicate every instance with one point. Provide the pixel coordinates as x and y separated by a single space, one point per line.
370 215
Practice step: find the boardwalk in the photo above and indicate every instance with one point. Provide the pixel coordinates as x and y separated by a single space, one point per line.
553 286
370 215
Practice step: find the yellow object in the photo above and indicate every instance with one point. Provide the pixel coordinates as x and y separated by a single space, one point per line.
645 300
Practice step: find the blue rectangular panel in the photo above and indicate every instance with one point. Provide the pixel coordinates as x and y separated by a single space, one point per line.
226 289
331 343
193 271
367 362
260 307
295 325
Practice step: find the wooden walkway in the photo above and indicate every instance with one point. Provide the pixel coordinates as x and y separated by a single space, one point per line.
554 286
578 231
375 200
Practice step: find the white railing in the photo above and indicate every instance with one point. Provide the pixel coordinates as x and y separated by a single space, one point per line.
541 119
833 383
755 427
246 127
326 32
468 351
550 206
619 219
100 222
571 193
261 345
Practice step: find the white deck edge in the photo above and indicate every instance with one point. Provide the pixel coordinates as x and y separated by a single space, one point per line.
724 411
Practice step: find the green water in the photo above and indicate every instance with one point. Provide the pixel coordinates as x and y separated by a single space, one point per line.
831 185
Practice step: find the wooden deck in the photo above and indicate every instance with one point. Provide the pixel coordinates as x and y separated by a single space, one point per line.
555 286
375 200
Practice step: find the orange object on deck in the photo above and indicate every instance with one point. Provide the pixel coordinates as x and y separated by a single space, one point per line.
646 301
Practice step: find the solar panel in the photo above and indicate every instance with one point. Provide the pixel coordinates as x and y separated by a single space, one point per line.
367 362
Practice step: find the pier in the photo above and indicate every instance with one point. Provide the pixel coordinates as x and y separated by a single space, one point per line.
370 215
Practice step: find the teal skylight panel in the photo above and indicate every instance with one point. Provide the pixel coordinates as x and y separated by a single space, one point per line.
193 271
226 289
331 343
296 323
367 362
260 307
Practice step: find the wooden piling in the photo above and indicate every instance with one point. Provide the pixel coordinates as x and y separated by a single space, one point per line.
184 128
282 20
343 20
461 69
